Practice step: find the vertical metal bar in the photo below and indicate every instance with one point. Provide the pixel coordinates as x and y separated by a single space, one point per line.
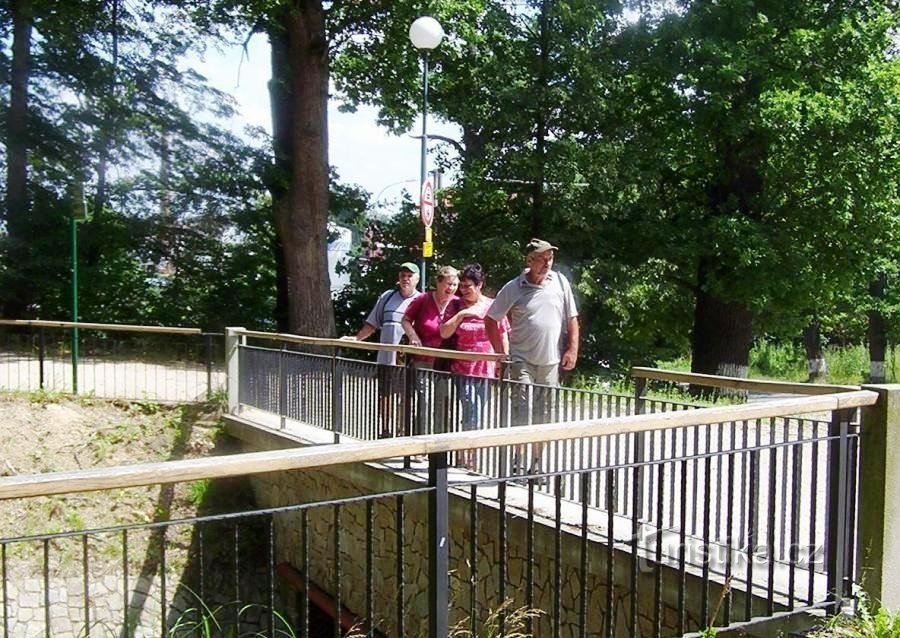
682 549
46 588
337 416
770 523
126 631
164 629
439 556
42 352
236 568
813 514
5 591
707 499
201 557
852 506
337 571
610 552
86 591
582 595
635 534
529 549
751 531
304 559
401 576
370 568
557 553
837 507
282 389
729 527
473 560
658 575
502 564
208 343
270 575
796 482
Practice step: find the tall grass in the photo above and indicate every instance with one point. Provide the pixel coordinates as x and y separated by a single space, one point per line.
787 362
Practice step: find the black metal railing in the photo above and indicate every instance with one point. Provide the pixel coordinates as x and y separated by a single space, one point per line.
342 396
441 549
110 361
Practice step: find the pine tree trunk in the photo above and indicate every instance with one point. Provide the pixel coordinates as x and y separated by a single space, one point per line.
816 366
299 92
877 333
722 335
16 294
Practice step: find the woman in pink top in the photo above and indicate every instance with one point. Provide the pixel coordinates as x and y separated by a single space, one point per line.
468 326
422 324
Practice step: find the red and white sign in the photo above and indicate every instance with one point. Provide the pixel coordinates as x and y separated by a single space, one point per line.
426 205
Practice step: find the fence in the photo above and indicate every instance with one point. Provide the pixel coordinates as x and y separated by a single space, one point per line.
590 577
342 395
111 361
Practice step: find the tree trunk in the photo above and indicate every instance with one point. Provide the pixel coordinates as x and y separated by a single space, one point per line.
722 334
299 92
16 295
877 333
815 355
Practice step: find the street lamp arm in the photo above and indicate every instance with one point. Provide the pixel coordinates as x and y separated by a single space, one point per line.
443 138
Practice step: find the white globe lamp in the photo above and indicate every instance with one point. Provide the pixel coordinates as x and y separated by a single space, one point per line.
426 33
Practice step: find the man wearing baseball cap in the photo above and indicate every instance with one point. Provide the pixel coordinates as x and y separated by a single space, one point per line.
543 336
386 317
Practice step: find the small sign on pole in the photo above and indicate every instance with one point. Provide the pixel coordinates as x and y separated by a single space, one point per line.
426 205
427 249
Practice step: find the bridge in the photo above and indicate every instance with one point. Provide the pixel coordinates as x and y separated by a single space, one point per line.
648 516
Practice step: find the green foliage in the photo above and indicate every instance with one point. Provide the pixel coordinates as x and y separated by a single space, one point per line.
871 620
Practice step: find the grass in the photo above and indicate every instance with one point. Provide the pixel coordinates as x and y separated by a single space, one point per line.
787 362
871 620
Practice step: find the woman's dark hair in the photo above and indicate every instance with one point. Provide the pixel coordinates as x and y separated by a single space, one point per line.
473 273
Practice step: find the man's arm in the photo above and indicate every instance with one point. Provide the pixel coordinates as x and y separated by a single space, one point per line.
493 333
365 332
570 356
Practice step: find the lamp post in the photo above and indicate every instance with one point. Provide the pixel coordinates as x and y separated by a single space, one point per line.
78 213
425 34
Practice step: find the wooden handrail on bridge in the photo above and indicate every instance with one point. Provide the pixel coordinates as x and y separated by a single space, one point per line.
738 383
40 323
365 345
368 451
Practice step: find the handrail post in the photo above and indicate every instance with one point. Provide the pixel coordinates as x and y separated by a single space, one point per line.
207 350
282 390
878 546
439 547
409 372
836 550
233 343
336 396
42 353
640 407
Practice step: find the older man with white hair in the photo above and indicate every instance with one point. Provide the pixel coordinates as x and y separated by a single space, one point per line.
543 336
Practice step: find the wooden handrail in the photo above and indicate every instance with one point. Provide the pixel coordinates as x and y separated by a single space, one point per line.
368 451
39 323
738 383
353 344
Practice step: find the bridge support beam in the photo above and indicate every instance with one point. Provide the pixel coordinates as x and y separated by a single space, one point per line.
879 504
439 547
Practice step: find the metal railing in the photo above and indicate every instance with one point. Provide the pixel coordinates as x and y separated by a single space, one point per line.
153 363
590 572
344 396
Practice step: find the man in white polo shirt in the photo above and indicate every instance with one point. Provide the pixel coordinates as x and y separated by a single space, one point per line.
386 317
543 336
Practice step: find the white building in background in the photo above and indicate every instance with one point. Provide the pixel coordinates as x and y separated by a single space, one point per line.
338 251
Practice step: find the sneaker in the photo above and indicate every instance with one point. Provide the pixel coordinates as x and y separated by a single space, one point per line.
385 434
